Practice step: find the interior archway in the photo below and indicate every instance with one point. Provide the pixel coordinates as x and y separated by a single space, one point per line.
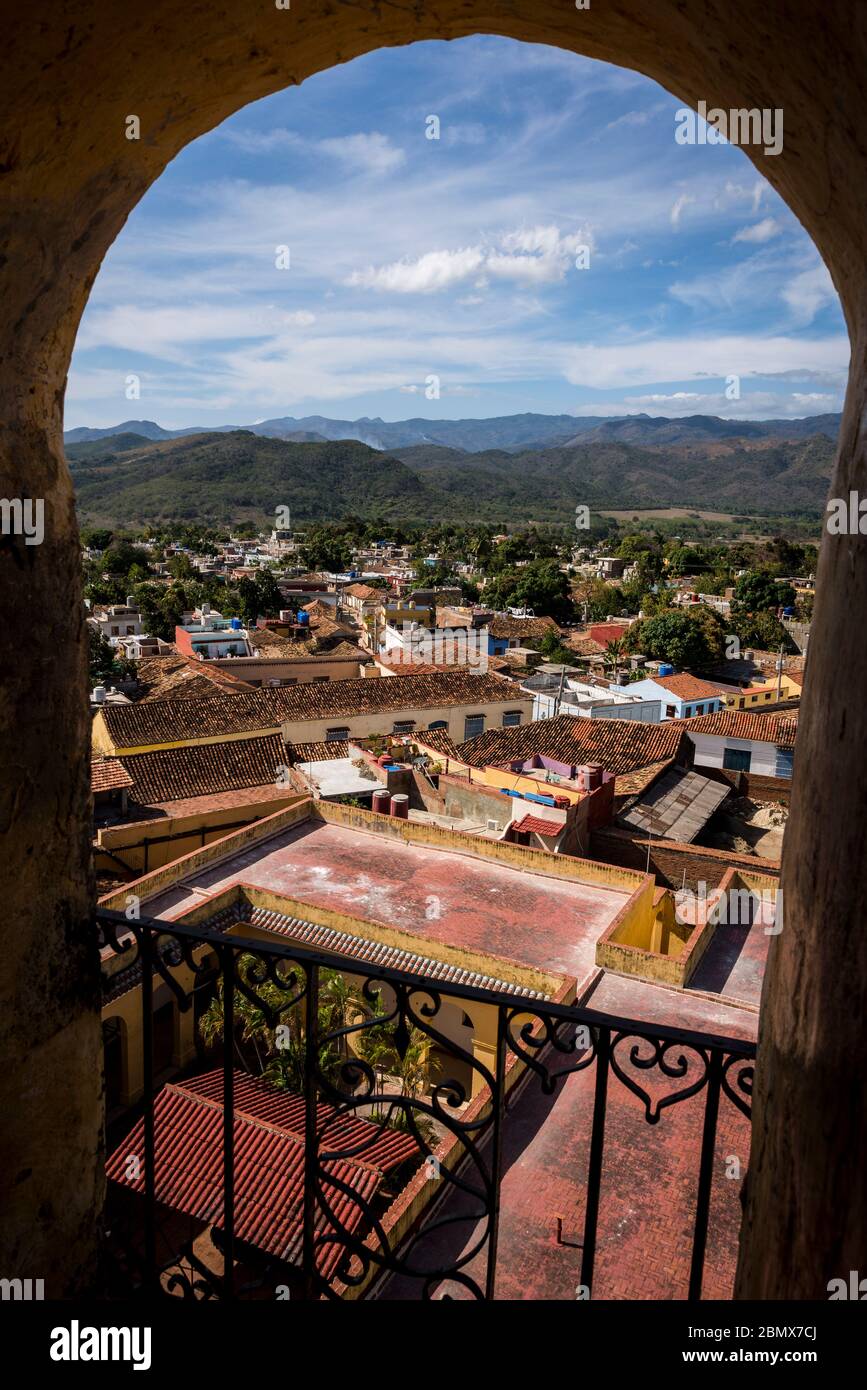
70 179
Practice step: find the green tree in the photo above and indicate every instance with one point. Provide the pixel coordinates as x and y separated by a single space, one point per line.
105 666
540 585
279 1049
616 655
758 592
686 639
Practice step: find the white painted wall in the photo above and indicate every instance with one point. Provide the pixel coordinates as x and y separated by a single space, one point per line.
709 750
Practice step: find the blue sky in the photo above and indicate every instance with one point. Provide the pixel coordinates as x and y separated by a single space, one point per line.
412 258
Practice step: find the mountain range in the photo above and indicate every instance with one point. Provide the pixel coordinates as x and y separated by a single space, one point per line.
510 432
228 476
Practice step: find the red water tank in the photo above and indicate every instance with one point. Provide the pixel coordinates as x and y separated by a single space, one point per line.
400 805
381 801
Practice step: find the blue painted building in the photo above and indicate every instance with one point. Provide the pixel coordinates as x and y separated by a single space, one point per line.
682 696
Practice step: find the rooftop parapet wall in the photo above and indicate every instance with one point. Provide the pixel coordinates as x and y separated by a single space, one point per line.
624 880
671 952
496 967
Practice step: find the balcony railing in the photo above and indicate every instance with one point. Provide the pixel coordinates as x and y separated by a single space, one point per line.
351 1062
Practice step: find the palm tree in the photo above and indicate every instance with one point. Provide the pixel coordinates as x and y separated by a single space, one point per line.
615 655
281 1055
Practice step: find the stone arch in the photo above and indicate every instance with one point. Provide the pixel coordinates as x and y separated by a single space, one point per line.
70 179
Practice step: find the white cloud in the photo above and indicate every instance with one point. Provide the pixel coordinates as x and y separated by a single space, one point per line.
263 141
760 231
529 256
651 360
809 292
437 270
373 153
368 152
678 206
660 398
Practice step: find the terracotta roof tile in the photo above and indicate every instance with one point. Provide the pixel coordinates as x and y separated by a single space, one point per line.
108 775
632 783
780 729
178 677
582 645
269 1175
377 1145
173 774
175 721
439 740
620 745
364 591
537 825
687 687
317 752
504 625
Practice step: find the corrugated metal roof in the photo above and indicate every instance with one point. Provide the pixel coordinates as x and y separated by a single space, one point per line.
268 1171
677 806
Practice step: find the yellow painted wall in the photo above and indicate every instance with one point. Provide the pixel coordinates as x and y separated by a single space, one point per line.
186 833
757 695
516 781
359 725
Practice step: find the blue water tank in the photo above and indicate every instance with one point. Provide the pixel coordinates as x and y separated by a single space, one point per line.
665 669
303 617
788 612
236 624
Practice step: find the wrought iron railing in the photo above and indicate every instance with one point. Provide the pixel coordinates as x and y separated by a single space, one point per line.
343 1236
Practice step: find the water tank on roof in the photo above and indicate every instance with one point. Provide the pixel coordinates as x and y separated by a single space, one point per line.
236 624
99 694
788 612
665 669
303 618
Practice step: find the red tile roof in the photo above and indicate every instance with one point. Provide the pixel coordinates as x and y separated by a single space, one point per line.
174 676
176 721
687 687
780 729
620 745
364 591
317 752
108 775
173 774
268 1171
438 740
582 645
504 625
537 825
343 1135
